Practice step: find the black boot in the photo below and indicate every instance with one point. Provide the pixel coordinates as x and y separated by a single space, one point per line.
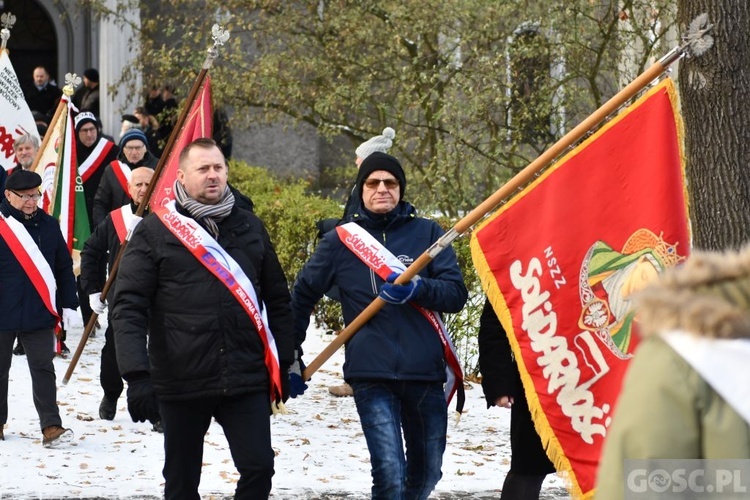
107 408
521 487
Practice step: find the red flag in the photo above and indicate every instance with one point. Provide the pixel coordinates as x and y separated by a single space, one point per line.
559 263
197 124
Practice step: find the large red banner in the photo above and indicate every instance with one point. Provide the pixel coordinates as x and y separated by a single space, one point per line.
560 261
197 125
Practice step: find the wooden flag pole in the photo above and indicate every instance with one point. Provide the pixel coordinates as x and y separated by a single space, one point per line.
220 37
696 43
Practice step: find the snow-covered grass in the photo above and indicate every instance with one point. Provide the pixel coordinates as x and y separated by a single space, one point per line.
319 445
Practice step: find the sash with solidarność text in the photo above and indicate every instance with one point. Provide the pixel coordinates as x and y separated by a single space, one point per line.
378 258
94 160
219 263
32 261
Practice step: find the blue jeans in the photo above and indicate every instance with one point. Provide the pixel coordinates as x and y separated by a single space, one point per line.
418 408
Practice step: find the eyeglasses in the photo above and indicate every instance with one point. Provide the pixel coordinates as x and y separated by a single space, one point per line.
27 197
134 148
375 183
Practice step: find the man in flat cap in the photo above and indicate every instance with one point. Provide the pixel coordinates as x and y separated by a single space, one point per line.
37 268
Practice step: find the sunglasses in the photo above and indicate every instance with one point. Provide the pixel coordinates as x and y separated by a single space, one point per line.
374 183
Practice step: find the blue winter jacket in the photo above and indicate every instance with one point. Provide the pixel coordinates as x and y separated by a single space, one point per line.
398 343
21 307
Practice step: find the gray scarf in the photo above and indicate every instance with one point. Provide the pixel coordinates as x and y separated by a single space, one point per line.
207 215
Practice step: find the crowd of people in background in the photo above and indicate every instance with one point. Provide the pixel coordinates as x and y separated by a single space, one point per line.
193 347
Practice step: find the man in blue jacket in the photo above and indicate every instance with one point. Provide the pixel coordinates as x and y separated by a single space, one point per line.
396 363
36 279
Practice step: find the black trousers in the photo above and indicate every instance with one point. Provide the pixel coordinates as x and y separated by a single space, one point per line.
109 374
247 427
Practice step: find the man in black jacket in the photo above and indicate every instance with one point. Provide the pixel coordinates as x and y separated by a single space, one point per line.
199 278
100 252
112 192
36 273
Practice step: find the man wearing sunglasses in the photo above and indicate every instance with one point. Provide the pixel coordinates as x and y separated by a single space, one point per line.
36 281
396 363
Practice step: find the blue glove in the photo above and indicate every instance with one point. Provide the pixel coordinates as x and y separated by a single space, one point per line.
297 386
399 294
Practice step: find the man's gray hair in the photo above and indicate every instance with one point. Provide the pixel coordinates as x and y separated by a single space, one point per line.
26 139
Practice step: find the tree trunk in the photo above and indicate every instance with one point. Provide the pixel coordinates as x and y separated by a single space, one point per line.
715 97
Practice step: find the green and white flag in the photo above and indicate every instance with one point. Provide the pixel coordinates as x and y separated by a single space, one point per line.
69 206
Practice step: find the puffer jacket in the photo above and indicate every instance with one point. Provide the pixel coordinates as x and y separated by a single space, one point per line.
21 307
201 342
398 343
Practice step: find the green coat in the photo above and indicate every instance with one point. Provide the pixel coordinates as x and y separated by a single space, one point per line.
666 410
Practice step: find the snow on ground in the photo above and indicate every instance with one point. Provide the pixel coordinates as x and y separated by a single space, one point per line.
320 449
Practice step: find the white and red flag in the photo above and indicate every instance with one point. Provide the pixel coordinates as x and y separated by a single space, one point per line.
15 116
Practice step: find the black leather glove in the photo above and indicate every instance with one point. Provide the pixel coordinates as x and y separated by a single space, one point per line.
143 404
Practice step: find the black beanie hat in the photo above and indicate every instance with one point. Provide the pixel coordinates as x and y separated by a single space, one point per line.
381 161
23 179
92 74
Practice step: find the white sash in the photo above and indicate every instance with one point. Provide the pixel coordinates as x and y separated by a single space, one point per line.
378 258
207 250
94 159
32 261
723 364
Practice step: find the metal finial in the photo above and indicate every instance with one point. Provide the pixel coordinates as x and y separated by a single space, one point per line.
7 20
695 42
220 37
71 82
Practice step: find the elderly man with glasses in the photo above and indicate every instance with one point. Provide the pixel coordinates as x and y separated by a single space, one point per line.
113 188
37 288
396 364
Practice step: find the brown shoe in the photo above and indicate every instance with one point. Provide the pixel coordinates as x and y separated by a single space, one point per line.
2 436
341 391
54 435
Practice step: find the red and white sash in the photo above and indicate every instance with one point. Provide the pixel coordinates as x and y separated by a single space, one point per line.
94 161
122 173
32 261
214 258
122 219
383 262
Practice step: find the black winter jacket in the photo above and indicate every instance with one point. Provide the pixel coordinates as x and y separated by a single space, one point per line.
21 307
91 185
398 343
202 342
110 194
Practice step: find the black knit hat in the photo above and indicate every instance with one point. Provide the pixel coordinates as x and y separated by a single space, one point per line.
92 75
23 179
381 161
83 118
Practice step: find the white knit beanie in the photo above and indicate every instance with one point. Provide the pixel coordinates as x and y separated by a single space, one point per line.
380 143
